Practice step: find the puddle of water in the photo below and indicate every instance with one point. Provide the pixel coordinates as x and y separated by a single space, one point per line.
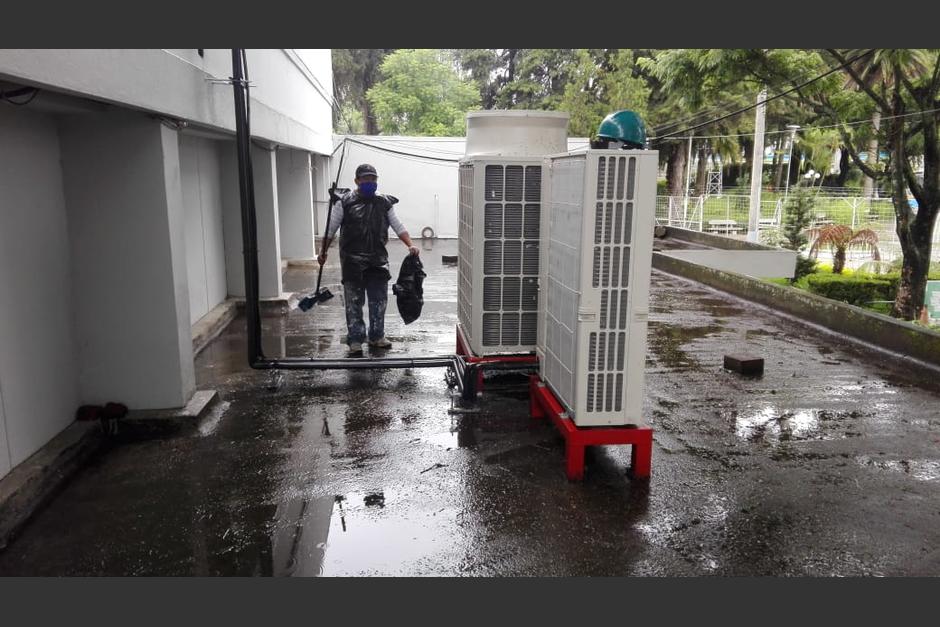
773 425
353 532
920 469
666 342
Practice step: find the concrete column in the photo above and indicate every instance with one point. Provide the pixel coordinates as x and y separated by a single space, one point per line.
321 186
295 204
264 166
129 285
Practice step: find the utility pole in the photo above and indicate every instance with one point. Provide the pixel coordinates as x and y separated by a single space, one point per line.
793 129
757 166
688 180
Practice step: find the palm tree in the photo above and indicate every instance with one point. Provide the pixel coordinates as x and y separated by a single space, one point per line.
839 238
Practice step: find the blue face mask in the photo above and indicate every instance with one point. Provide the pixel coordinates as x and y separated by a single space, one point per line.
367 188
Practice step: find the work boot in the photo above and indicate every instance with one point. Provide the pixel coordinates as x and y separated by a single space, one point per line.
382 342
355 349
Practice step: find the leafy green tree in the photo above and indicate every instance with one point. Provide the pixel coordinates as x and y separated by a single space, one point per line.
420 93
486 67
600 86
355 71
536 77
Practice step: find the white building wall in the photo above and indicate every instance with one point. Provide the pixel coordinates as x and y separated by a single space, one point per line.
286 107
129 285
202 205
426 189
37 356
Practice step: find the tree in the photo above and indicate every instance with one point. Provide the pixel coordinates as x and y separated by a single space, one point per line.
355 71
683 81
535 78
897 83
420 93
798 215
840 238
601 86
901 86
486 67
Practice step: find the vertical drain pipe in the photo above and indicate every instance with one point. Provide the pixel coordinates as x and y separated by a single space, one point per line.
247 195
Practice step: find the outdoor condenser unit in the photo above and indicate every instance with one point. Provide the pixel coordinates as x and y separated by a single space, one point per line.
500 207
597 238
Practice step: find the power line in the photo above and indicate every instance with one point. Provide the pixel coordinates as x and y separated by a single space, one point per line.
766 100
810 128
711 110
412 145
398 152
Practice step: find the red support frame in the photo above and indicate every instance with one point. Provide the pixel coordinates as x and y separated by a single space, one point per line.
542 403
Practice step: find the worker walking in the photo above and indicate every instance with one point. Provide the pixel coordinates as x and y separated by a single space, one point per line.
363 217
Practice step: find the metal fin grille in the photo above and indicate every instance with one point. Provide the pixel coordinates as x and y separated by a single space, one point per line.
514 183
613 224
493 190
512 215
465 247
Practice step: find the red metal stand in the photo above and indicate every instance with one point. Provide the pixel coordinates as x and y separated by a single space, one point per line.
463 349
542 403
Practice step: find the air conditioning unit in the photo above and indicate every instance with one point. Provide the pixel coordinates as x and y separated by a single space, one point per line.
597 241
500 182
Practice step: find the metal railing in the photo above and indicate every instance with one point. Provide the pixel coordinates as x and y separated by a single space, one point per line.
728 214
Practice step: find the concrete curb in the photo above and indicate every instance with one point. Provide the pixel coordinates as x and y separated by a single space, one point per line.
32 483
882 331
212 324
711 240
157 422
279 306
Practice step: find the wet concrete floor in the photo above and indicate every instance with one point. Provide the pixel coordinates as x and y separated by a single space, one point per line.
827 465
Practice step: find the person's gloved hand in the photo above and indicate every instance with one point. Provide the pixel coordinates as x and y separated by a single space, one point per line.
414 250
322 258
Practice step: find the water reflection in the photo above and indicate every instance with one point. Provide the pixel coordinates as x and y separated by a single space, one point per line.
775 426
299 542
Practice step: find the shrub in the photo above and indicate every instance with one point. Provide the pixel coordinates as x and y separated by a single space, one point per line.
856 290
804 267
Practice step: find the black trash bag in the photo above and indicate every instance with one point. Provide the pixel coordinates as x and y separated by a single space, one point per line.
409 289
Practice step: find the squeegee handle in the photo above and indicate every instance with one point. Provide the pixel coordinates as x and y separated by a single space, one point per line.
329 214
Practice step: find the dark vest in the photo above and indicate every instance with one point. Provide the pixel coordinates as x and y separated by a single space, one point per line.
364 235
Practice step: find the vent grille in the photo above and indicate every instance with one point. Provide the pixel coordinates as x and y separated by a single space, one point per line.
613 223
512 215
493 191
465 247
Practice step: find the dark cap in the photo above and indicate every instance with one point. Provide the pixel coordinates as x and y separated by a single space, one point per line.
364 170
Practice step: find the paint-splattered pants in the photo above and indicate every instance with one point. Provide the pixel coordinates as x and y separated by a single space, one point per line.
375 286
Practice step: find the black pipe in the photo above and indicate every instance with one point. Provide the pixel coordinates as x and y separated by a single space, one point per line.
318 363
249 224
